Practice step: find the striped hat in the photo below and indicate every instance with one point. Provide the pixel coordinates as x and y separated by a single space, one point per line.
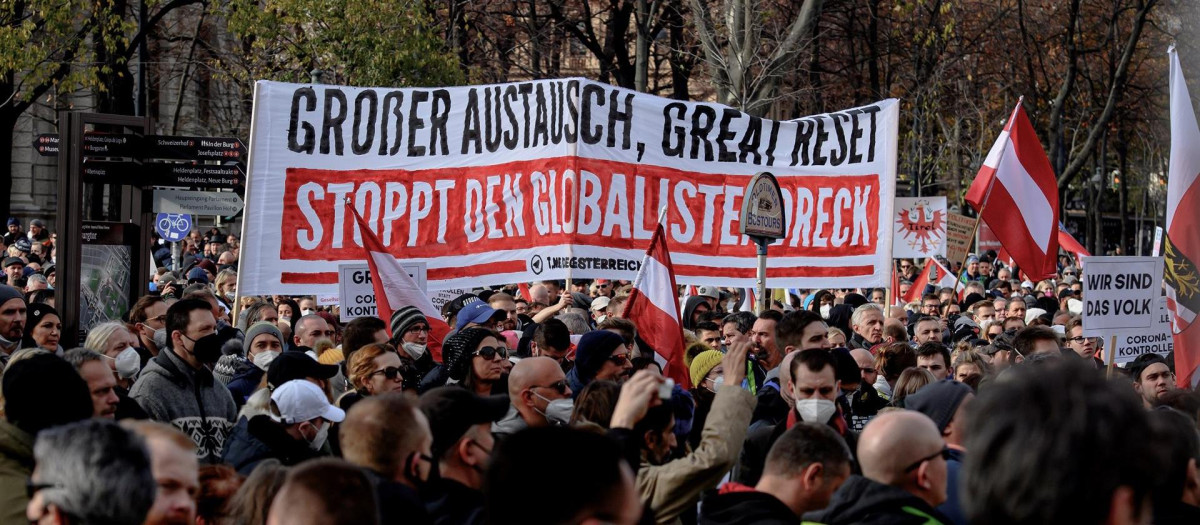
404 318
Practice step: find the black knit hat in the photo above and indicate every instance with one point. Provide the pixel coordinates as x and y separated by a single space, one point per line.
593 349
938 400
404 318
37 312
458 349
44 391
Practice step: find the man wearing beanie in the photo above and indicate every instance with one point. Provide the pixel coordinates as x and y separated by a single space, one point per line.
14 231
262 344
946 402
410 334
600 355
12 321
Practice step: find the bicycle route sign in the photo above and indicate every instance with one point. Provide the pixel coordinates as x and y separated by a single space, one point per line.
173 226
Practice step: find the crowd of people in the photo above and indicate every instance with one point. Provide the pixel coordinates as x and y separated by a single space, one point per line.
545 405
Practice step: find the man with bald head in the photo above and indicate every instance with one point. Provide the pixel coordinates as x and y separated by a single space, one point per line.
903 460
540 396
309 329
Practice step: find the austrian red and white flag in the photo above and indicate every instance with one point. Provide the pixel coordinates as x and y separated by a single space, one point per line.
1181 242
1070 245
1017 195
395 289
937 275
653 308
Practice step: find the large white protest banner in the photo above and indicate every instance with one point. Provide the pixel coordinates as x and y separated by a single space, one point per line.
1120 294
356 291
1158 339
556 178
920 227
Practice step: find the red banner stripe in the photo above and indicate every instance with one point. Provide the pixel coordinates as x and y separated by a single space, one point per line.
795 271
433 273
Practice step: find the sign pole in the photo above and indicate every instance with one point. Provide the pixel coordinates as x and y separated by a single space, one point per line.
175 258
764 220
761 283
1112 349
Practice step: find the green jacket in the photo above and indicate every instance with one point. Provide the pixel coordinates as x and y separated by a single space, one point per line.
16 465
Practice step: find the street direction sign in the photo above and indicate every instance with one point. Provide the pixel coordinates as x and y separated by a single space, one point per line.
193 148
197 202
172 226
46 145
164 174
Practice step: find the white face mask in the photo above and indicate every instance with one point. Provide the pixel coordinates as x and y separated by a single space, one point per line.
414 350
558 412
720 380
318 440
263 359
160 338
230 295
128 363
825 308
815 410
307 312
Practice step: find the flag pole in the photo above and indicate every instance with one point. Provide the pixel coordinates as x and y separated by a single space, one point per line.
887 292
986 196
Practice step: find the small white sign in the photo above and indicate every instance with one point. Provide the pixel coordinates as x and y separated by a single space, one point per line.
222 203
356 293
1158 233
327 300
920 228
1120 294
1158 339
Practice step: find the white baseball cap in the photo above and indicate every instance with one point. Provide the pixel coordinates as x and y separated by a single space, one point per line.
600 303
709 291
300 400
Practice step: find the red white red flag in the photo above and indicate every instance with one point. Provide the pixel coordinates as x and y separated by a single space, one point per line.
937 275
653 308
395 289
1017 171
1181 244
1072 246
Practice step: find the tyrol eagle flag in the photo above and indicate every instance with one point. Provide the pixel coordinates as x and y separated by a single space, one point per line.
1181 242
553 179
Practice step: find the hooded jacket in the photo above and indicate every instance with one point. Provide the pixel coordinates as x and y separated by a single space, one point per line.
245 382
259 438
860 500
171 391
672 488
689 308
738 504
760 440
16 465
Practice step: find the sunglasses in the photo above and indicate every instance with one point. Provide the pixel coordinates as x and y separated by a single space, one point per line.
944 453
490 353
391 372
619 359
560 387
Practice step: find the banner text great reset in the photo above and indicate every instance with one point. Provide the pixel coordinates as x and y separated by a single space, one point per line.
556 179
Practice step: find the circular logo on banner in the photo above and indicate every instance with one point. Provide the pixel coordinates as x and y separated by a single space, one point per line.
535 264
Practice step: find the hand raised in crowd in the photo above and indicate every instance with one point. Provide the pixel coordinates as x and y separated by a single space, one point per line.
637 396
734 362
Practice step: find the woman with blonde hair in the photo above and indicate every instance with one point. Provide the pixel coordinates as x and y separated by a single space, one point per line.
911 380
116 341
377 369
226 286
